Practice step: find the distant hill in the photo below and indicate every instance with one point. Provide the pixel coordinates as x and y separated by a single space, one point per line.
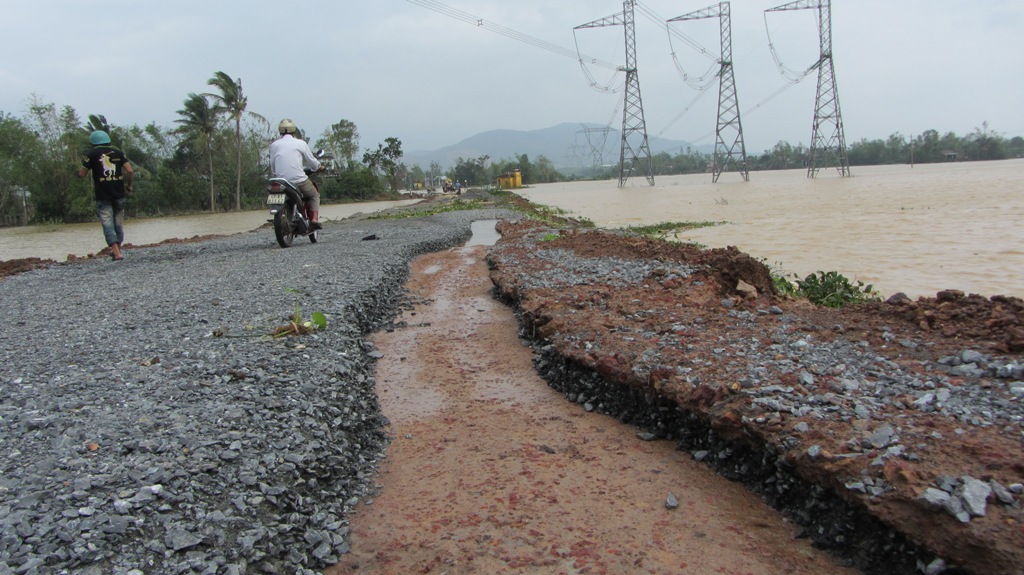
566 145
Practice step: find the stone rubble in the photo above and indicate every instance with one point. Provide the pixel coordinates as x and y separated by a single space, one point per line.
149 425
838 429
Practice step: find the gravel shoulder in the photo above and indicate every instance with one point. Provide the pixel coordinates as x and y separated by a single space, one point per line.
149 425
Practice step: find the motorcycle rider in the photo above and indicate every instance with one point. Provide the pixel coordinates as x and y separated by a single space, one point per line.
290 157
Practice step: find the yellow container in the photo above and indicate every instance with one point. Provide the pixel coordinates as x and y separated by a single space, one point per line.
518 179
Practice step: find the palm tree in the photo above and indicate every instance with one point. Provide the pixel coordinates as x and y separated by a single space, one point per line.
96 122
199 119
233 103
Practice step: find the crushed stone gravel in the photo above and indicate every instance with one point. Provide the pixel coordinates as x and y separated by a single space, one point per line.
149 424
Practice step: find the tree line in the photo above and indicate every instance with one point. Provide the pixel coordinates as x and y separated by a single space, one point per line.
480 171
214 159
928 147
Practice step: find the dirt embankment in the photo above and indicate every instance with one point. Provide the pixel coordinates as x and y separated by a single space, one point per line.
904 413
493 471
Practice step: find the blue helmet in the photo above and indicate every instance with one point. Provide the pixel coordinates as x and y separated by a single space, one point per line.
99 137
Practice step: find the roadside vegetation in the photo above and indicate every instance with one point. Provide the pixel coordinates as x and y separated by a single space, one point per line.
669 230
829 289
214 159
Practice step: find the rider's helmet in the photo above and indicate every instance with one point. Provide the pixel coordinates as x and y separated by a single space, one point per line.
99 137
287 127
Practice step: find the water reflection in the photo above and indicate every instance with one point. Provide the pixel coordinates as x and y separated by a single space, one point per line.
485 233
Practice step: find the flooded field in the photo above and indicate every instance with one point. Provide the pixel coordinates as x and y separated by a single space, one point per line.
56 242
914 229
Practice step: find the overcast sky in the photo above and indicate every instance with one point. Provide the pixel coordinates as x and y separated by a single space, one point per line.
397 68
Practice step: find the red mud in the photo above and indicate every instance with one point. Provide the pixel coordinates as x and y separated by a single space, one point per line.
944 325
492 471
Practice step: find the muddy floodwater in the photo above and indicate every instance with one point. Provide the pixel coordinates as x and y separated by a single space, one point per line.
56 242
914 229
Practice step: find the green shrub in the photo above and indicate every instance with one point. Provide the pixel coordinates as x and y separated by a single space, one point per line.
832 289
784 286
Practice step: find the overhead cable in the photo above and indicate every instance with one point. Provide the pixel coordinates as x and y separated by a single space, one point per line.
686 109
468 18
791 75
674 32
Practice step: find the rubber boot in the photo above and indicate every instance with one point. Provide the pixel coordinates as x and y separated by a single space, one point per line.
314 220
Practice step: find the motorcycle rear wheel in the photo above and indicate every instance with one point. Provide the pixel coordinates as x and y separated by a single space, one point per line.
283 225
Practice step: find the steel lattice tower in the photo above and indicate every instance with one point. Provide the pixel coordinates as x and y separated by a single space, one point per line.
635 148
596 150
734 152
826 104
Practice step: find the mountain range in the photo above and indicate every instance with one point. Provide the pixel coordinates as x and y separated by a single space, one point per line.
567 145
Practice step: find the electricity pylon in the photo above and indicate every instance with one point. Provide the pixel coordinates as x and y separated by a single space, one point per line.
734 152
635 149
596 149
826 103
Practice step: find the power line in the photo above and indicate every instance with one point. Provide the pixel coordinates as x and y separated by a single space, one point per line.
686 109
791 75
611 86
734 150
471 19
654 17
825 146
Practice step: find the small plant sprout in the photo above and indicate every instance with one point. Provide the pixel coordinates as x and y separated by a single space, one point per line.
297 326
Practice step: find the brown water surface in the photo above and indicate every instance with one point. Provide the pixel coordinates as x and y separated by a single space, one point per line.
57 241
914 229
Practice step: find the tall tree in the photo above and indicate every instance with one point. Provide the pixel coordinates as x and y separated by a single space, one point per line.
341 140
96 122
232 102
387 158
198 119
18 150
471 171
60 196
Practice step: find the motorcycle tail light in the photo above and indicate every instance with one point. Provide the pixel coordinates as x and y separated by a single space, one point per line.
275 187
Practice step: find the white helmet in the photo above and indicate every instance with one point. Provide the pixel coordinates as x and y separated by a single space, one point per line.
287 127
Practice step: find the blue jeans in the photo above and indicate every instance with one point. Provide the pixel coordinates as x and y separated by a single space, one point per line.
111 214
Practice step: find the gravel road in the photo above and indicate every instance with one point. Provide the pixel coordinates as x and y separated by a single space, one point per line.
149 425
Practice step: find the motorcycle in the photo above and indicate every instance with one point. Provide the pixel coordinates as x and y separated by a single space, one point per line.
289 212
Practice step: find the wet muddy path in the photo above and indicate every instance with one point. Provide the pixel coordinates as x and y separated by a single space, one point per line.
491 471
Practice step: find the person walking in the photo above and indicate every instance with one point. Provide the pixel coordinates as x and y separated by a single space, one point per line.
112 177
290 158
